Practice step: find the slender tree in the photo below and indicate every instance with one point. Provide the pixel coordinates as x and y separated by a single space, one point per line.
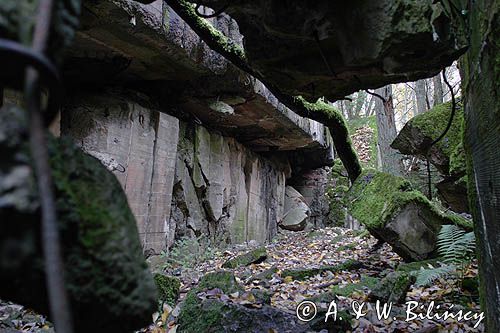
389 159
420 95
438 90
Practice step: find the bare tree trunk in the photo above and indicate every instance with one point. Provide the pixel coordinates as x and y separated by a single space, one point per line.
420 95
438 90
369 110
404 116
386 124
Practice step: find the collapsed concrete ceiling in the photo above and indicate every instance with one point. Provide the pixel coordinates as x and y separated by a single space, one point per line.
334 48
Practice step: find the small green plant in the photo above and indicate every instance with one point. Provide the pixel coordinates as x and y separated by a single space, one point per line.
189 252
456 248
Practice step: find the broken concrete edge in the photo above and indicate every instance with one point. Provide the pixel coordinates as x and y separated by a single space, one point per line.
318 111
375 198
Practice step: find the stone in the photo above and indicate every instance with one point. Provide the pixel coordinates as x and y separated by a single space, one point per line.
453 192
255 256
265 275
392 288
394 212
312 185
417 134
296 211
381 47
109 285
305 273
215 315
447 155
417 265
168 288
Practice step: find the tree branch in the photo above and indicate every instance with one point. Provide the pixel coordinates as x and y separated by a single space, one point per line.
376 95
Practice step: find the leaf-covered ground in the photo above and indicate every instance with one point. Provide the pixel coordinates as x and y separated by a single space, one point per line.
329 246
300 250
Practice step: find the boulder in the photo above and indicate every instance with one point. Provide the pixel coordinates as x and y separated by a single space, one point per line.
202 314
252 257
365 283
392 288
394 212
109 285
453 192
296 211
417 134
447 155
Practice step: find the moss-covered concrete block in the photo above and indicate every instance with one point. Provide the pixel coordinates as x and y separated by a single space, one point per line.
417 134
168 288
215 315
392 288
305 273
252 257
447 155
394 212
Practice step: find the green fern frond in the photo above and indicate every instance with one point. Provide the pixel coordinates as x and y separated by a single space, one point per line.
454 244
427 276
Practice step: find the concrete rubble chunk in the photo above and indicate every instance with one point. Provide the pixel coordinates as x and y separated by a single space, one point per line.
296 211
394 212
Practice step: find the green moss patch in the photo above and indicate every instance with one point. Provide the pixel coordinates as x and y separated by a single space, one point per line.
207 317
252 257
376 197
433 122
392 288
366 282
168 288
305 273
416 265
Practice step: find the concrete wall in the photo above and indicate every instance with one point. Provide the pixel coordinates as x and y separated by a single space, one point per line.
180 179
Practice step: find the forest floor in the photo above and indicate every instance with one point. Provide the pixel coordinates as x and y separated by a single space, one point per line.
301 250
330 246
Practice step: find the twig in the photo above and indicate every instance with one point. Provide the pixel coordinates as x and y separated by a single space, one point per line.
54 271
376 95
